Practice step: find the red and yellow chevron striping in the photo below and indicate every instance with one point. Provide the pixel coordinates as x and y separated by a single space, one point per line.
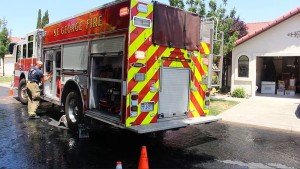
140 40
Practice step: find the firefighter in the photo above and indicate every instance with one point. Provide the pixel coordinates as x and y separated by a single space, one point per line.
35 77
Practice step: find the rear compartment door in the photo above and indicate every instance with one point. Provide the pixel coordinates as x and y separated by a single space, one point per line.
174 92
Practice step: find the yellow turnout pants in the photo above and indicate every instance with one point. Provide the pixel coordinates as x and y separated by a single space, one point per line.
33 92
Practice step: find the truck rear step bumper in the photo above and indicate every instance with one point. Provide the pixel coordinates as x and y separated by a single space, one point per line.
173 124
153 127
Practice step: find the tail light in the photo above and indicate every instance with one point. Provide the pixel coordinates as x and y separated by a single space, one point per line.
134 104
133 108
134 97
207 99
207 94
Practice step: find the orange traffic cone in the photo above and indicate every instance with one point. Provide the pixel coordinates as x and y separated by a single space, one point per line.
143 164
11 91
119 165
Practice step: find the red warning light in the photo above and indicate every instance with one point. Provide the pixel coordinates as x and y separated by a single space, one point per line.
134 97
207 94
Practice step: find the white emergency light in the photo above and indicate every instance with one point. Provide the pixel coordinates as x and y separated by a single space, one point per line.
140 55
141 22
143 8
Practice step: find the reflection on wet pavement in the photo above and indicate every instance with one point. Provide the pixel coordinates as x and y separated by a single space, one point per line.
256 165
37 144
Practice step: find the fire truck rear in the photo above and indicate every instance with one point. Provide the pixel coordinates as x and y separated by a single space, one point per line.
134 65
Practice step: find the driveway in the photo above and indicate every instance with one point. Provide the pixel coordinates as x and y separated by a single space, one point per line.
272 111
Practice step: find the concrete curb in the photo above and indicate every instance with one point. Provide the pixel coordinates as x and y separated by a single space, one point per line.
5 85
224 97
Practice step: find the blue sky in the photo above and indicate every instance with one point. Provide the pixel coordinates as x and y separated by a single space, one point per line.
21 15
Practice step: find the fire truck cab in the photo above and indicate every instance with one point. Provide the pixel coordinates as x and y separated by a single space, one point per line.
131 64
26 53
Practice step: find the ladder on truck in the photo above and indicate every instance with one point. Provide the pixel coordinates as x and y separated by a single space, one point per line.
215 59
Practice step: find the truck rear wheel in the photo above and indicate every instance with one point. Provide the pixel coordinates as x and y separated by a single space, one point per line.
22 93
74 110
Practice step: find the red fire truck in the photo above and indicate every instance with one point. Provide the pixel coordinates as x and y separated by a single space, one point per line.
134 65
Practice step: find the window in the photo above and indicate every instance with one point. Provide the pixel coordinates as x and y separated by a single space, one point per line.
18 53
58 59
24 51
49 60
243 66
75 56
30 49
30 46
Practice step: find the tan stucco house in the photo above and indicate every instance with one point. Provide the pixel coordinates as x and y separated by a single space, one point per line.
267 59
9 60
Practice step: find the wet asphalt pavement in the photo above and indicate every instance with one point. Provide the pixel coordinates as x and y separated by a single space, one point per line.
35 143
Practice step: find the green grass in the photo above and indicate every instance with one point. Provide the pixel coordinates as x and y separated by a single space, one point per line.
219 106
6 79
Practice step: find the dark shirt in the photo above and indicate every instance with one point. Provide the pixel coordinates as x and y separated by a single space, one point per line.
35 74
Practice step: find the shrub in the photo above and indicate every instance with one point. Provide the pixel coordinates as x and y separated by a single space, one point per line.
239 92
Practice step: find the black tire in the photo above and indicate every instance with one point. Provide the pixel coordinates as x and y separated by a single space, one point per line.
74 110
22 92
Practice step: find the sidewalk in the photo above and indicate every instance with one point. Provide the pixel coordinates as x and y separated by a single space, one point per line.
277 112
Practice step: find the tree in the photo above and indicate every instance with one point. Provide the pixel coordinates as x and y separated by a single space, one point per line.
177 3
233 29
39 20
45 19
42 21
230 24
196 6
4 40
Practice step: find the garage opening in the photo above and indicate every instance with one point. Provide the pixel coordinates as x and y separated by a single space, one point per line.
278 75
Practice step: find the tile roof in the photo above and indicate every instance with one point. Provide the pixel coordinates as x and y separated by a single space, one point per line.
253 27
257 28
16 39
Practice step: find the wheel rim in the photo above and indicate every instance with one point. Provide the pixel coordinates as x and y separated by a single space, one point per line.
23 92
73 110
